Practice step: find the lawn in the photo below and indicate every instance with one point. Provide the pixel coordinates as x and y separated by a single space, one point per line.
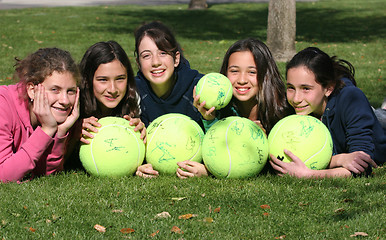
70 205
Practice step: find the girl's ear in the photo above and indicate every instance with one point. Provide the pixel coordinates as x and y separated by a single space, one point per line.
329 90
31 91
177 59
138 64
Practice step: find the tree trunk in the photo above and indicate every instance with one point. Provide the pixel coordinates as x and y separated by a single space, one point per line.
198 4
281 30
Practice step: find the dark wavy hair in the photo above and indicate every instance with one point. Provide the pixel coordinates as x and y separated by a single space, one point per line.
161 35
102 53
328 71
271 94
36 67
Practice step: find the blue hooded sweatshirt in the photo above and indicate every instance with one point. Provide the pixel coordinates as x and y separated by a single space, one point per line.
353 124
180 99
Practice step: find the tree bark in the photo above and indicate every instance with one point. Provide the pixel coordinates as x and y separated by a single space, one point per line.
198 4
281 30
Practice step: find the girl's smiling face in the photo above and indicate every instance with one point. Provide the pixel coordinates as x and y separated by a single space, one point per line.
60 89
242 72
304 93
156 65
110 84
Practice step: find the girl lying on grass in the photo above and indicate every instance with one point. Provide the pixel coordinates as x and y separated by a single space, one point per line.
324 87
37 113
165 80
107 89
258 93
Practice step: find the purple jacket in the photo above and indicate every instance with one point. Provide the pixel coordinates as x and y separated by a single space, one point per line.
24 150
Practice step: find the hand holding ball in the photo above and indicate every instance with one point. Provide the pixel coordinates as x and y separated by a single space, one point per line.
116 150
305 136
215 89
173 138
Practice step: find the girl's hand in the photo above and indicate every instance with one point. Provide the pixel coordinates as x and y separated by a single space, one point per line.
355 162
146 171
139 126
89 125
42 111
207 114
261 126
192 169
71 119
296 168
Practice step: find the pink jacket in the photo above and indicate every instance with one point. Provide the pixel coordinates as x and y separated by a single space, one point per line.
23 149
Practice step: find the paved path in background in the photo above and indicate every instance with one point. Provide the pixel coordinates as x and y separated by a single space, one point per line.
13 4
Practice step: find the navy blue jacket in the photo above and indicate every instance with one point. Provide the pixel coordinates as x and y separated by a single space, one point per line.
179 101
353 124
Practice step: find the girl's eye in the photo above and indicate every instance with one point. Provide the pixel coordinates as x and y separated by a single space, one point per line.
121 78
101 79
55 90
145 56
71 92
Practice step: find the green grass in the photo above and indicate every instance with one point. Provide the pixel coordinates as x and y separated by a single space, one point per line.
68 205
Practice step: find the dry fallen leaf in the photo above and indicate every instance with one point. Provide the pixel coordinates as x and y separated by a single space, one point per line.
154 233
127 230
304 204
363 234
99 228
280 237
187 216
117 210
162 215
176 229
339 210
31 229
266 214
265 206
217 210
178 198
208 219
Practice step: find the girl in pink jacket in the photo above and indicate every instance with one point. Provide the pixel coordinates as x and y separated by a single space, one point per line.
36 114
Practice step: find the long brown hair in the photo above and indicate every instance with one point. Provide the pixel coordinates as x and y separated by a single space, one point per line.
271 95
102 53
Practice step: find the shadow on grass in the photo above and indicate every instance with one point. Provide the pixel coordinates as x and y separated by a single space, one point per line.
200 25
329 25
313 24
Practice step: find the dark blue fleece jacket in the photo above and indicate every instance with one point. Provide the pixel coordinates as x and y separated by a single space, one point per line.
179 101
353 124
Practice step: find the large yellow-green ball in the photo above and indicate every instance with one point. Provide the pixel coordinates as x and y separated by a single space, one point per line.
173 138
305 136
235 147
215 89
116 150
